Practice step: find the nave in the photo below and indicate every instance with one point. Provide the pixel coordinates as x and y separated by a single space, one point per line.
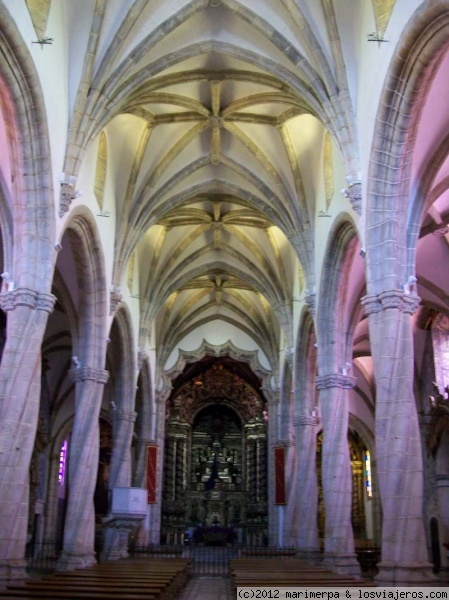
210 574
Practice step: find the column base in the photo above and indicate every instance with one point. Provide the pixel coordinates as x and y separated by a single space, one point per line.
12 571
406 574
68 561
344 564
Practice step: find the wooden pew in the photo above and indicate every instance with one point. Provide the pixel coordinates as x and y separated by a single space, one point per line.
144 579
253 572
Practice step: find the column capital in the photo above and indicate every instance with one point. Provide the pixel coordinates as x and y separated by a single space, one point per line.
283 444
146 441
406 302
142 355
115 297
23 296
303 420
335 380
354 193
124 415
310 300
84 373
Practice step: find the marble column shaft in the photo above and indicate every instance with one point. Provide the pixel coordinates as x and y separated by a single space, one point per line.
306 483
20 377
140 472
120 466
140 480
115 542
398 442
79 529
336 473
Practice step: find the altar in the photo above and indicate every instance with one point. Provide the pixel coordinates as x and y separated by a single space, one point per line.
214 536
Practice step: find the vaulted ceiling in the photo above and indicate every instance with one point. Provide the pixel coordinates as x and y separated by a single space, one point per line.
219 129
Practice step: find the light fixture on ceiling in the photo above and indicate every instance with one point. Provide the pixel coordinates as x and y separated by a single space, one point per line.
374 37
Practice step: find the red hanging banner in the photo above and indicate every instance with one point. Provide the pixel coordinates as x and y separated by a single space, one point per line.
151 473
279 476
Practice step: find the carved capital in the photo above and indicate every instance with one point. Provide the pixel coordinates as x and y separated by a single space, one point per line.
115 297
141 358
305 420
163 395
354 194
406 303
125 415
289 356
67 193
335 380
310 300
27 297
88 373
284 444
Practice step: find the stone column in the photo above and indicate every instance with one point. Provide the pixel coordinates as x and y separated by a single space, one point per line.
307 486
256 480
398 443
20 378
115 544
156 509
140 472
272 435
336 473
289 509
140 480
79 530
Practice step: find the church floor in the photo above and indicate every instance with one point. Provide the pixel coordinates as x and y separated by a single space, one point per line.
208 588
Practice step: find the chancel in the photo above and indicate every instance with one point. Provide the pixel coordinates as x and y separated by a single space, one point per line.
224 303
215 469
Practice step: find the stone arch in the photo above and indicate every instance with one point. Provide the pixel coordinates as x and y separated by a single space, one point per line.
32 188
89 343
6 227
331 322
121 363
226 349
122 342
415 63
269 351
305 366
146 409
286 390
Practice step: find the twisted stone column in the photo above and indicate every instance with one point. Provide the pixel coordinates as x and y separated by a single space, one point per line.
398 442
115 543
306 485
20 378
336 473
79 530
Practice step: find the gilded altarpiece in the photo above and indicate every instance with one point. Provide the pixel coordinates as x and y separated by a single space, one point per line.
215 473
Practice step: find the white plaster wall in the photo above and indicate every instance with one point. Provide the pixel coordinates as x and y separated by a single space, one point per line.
375 59
217 333
51 63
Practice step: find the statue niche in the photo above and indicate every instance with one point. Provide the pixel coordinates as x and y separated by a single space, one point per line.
216 450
